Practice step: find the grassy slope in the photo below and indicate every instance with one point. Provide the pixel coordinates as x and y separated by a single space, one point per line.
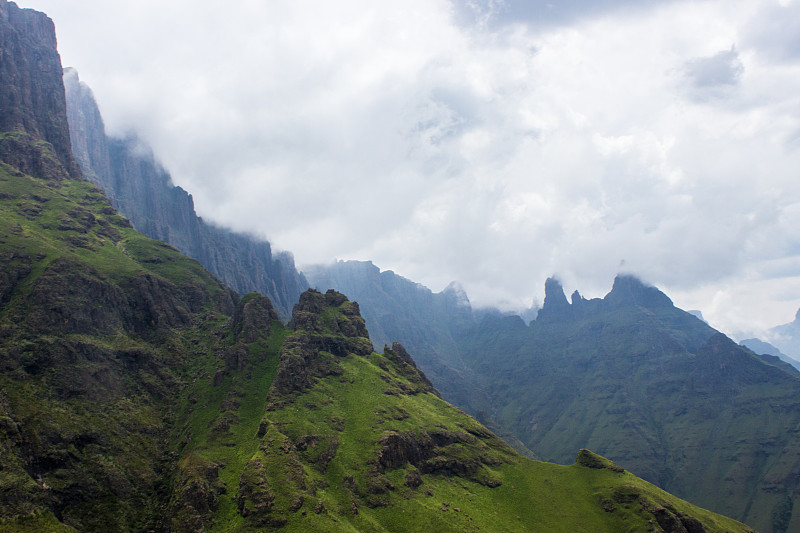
650 398
349 491
201 437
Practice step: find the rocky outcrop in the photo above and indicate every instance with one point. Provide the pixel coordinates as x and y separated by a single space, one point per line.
32 103
327 326
428 324
253 318
405 366
142 190
441 452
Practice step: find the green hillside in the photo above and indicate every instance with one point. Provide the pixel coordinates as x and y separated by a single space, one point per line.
97 324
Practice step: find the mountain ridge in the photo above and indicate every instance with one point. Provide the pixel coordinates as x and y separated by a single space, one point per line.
623 352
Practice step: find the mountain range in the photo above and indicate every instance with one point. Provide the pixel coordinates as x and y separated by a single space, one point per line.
138 392
630 375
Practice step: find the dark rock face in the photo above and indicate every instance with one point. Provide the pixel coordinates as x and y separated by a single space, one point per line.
143 305
253 317
629 290
32 95
142 190
555 306
432 452
319 338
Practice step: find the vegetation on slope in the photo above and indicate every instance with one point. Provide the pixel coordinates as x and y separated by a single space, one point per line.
96 326
352 440
137 395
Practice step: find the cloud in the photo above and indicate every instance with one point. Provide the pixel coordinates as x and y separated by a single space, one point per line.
544 13
494 150
774 31
713 76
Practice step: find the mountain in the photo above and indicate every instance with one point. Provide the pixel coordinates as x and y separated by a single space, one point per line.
765 348
34 140
139 393
651 387
630 376
142 190
427 323
785 340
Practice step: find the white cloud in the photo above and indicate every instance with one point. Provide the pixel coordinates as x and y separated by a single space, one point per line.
496 151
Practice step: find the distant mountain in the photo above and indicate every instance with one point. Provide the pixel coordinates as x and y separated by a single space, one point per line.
786 338
651 387
760 347
138 393
142 190
631 375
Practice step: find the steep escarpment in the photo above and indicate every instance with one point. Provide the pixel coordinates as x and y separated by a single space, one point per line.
34 134
99 327
142 190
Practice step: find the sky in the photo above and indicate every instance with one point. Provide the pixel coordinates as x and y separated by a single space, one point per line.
489 142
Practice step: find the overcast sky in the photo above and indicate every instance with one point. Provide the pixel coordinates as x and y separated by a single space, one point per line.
490 142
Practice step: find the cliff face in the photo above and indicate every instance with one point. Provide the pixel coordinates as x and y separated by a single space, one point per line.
89 143
141 189
32 105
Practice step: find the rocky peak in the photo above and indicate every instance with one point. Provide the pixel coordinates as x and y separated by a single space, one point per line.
555 307
457 293
326 327
33 23
630 290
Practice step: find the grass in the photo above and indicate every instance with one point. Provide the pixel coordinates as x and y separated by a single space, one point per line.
348 413
185 429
